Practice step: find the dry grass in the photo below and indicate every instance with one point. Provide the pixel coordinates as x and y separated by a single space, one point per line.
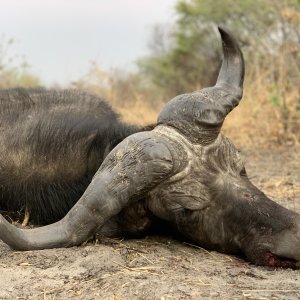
268 115
257 121
139 113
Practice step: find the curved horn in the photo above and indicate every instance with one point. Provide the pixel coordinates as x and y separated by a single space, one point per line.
200 115
232 72
127 174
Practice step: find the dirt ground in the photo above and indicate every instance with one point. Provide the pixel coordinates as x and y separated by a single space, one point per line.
159 267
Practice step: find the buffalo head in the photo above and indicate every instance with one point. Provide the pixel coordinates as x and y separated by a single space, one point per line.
187 173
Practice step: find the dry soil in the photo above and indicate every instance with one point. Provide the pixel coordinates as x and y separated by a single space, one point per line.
159 267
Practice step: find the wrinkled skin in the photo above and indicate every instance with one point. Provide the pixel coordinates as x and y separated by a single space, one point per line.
186 173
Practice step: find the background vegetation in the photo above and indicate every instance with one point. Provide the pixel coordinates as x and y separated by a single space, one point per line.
186 55
14 70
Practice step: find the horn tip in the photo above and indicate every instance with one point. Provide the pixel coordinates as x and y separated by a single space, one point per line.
226 35
222 29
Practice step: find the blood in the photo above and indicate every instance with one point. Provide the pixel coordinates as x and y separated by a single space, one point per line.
274 261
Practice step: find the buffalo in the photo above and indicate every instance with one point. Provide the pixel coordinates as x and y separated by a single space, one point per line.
52 144
183 171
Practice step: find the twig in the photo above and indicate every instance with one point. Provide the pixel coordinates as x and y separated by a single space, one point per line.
271 291
127 247
204 250
151 262
26 217
137 268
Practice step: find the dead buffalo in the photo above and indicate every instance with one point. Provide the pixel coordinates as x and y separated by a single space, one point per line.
183 172
52 143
